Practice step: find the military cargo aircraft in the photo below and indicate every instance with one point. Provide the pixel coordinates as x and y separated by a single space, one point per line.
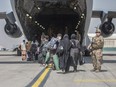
54 16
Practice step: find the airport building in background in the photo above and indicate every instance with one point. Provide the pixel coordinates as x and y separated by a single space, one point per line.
108 42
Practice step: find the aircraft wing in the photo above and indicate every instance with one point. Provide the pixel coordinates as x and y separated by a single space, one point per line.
111 14
9 16
99 14
2 15
102 15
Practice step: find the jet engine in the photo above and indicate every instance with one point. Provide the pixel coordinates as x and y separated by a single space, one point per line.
107 28
12 30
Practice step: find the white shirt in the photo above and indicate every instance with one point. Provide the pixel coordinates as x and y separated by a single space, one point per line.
23 47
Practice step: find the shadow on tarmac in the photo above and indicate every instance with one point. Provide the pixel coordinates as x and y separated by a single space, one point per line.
17 62
109 61
104 71
89 60
71 72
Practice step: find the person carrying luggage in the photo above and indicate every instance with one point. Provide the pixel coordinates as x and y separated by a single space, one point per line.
33 50
74 52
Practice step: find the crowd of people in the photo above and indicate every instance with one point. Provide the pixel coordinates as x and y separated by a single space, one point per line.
57 52
61 52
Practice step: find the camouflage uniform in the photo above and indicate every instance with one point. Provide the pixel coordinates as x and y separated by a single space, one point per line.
96 51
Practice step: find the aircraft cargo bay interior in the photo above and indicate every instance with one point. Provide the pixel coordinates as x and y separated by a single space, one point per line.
51 17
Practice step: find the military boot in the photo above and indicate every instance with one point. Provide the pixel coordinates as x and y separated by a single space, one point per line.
75 69
94 69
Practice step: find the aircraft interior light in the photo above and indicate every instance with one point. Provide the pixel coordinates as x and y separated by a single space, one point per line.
30 17
40 25
35 21
83 14
27 15
38 8
75 8
76 26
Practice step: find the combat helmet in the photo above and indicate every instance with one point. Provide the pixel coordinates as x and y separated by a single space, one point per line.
98 30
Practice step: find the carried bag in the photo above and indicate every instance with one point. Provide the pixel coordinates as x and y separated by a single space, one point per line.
60 49
81 60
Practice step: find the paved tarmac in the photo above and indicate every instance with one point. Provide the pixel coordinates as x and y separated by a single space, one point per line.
84 77
8 53
20 74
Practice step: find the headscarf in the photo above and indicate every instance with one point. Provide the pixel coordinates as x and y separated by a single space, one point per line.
66 42
73 36
66 36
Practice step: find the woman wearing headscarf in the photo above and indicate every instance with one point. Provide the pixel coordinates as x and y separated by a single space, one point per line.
66 53
74 52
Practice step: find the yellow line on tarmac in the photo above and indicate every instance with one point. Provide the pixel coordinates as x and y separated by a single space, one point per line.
95 80
41 78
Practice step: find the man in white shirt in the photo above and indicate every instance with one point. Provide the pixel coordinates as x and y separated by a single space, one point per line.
23 50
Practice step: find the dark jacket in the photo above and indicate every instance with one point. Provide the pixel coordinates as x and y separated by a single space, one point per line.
75 50
66 51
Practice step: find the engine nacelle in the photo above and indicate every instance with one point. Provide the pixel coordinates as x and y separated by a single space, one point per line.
107 29
12 30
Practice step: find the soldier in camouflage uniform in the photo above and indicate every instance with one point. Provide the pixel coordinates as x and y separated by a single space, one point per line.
96 50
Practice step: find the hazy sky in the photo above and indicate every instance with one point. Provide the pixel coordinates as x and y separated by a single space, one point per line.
106 5
5 6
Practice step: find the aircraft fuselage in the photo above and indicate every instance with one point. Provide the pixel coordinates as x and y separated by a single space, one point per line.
52 16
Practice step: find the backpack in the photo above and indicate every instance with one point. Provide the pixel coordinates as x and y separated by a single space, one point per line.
74 43
52 43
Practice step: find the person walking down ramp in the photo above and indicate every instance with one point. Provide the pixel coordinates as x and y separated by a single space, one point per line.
75 51
66 53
